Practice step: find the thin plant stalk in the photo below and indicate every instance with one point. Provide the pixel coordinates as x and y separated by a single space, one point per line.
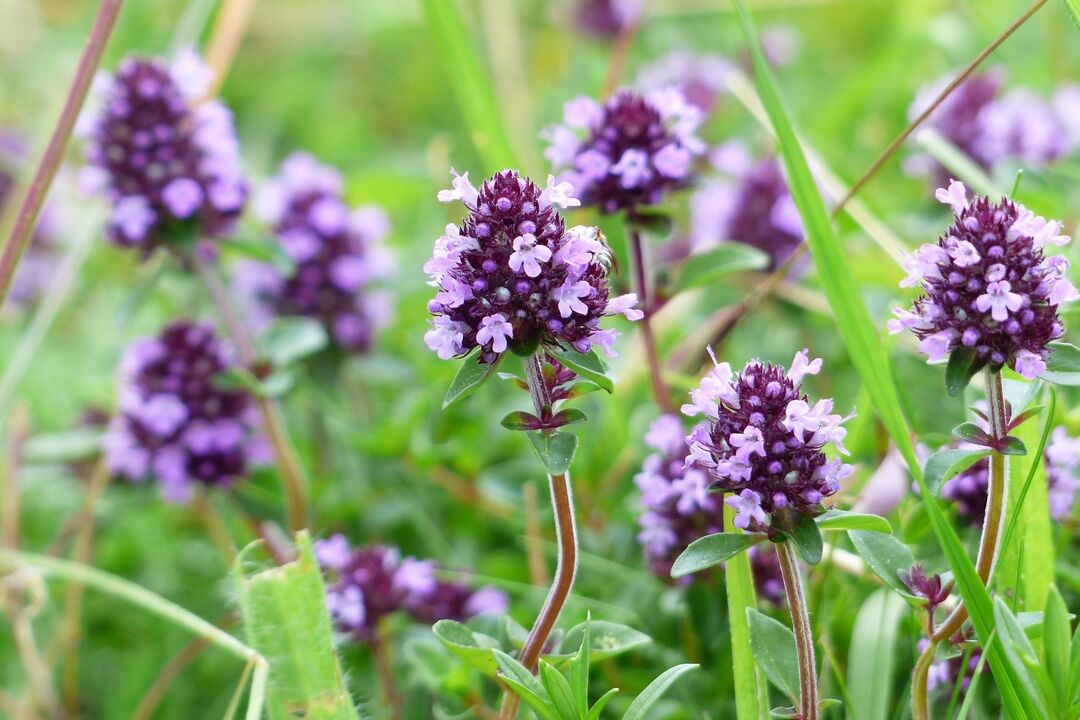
292 472
562 503
26 220
989 545
800 625
652 356
380 650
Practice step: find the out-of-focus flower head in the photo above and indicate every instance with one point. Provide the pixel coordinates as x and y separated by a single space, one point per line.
764 442
513 277
702 79
174 424
629 152
337 255
168 163
368 584
749 203
608 18
988 287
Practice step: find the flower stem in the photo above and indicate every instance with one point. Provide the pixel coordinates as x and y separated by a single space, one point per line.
23 229
380 649
562 503
800 625
989 543
292 472
651 354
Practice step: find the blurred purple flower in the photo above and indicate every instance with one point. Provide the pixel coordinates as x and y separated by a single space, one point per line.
764 442
512 276
607 18
702 79
167 161
174 423
768 578
634 148
336 252
988 286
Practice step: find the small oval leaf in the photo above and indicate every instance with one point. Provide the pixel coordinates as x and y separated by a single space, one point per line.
843 520
712 550
471 375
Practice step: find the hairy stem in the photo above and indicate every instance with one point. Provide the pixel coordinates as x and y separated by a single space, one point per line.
30 208
292 472
800 625
989 543
651 355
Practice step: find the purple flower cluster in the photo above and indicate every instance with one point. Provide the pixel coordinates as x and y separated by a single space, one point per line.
988 286
39 261
702 79
174 423
367 584
1061 459
608 18
337 254
990 127
513 277
679 508
750 204
167 163
634 148
765 443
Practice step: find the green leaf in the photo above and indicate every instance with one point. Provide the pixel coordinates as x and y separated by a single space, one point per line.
519 420
587 365
773 645
868 355
1063 364
1057 645
947 464
285 620
1018 650
654 691
236 377
522 682
712 550
554 449
963 365
971 432
471 375
739 586
606 639
63 447
579 672
888 558
1073 6
596 709
289 339
558 690
1013 446
265 251
844 520
464 643
656 224
875 645
806 537
471 83
569 416
727 258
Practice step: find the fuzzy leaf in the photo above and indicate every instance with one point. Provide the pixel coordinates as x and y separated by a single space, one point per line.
569 416
520 420
773 645
1063 364
464 643
708 267
963 365
654 691
606 639
971 433
807 539
471 375
947 464
587 365
888 558
712 550
1013 446
554 449
844 520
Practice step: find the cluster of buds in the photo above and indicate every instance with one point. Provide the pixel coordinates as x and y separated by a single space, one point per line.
513 277
628 152
765 443
368 584
990 127
168 162
336 255
988 287
175 423
749 203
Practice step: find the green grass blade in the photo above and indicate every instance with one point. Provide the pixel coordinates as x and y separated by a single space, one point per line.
872 660
471 84
868 354
739 585
1074 11
285 619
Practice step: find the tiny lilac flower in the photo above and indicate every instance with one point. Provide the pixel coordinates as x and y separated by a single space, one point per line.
625 305
162 159
988 286
636 149
512 274
765 442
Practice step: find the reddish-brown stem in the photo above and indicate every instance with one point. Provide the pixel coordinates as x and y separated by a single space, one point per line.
652 356
380 650
800 626
25 221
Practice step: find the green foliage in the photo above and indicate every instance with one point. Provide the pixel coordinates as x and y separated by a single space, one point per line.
471 375
773 645
843 520
1063 365
554 450
706 268
875 644
587 365
712 550
947 464
289 339
285 620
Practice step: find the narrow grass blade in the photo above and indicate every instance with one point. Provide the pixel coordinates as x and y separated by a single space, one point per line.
471 83
739 584
872 660
868 355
